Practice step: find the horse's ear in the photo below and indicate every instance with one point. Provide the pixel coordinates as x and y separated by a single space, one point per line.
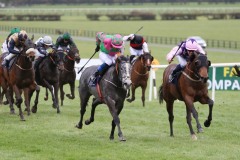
197 63
152 58
209 63
32 37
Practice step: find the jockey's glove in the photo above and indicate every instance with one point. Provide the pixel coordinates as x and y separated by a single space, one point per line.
97 48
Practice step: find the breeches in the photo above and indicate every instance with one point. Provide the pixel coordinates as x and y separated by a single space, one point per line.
106 58
181 61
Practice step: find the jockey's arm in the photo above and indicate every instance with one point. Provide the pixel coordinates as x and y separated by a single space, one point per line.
145 47
173 53
42 51
11 47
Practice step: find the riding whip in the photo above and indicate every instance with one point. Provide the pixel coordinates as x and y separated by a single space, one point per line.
176 51
139 30
87 62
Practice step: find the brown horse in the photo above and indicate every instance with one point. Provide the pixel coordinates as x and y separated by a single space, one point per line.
190 87
140 74
20 78
68 74
48 77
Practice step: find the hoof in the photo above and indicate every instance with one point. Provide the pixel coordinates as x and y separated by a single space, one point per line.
34 110
12 111
122 139
207 123
78 126
194 137
87 122
200 130
58 111
45 98
54 106
22 118
129 100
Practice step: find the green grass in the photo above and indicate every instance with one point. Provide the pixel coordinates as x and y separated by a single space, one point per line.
48 135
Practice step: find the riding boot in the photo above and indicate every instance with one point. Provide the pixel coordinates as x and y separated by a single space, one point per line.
174 72
96 77
131 58
5 63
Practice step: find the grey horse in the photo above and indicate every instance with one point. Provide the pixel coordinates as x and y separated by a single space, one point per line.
111 90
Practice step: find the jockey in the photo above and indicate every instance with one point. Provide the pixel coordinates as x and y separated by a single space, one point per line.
42 46
15 42
137 45
64 42
4 47
182 52
109 46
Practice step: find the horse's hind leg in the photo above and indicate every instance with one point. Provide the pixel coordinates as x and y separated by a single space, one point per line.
19 101
72 88
27 100
169 106
84 97
95 103
189 110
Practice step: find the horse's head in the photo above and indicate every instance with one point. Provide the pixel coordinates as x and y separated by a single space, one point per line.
73 54
146 59
28 49
123 69
199 64
56 59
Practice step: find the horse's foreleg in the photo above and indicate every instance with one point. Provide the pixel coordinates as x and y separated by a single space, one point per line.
72 88
95 103
189 110
55 96
116 121
169 107
133 94
18 101
143 94
61 94
195 115
26 92
207 123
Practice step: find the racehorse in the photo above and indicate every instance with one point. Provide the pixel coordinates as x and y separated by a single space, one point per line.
68 74
140 74
48 77
20 78
111 90
191 87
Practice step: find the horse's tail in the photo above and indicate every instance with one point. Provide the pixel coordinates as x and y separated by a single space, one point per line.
160 93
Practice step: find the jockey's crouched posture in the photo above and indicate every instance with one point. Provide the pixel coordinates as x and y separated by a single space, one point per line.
15 45
64 42
4 47
182 52
42 46
137 45
109 46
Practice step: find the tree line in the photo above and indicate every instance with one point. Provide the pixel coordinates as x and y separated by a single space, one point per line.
108 2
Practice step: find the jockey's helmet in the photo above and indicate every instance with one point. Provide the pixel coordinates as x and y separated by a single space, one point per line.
98 35
66 36
117 41
22 35
47 40
14 30
191 45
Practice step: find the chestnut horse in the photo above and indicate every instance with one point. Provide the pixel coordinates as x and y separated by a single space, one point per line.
48 77
20 78
140 74
190 87
68 74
